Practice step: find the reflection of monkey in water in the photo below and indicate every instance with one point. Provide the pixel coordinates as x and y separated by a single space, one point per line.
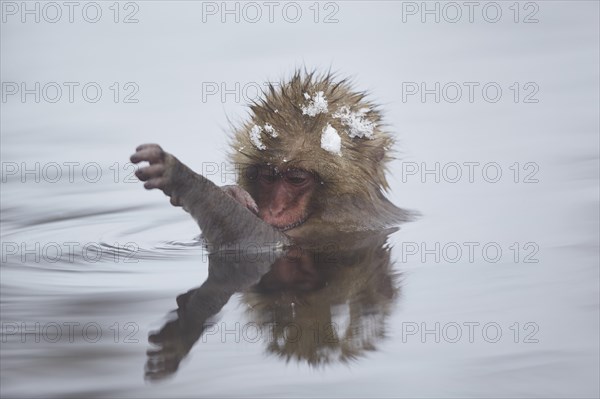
313 158
335 308
317 305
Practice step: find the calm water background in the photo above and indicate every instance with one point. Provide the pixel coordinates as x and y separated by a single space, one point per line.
149 253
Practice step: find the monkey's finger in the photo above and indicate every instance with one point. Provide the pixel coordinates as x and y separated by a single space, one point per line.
157 182
150 154
142 146
245 199
156 170
155 353
250 203
241 196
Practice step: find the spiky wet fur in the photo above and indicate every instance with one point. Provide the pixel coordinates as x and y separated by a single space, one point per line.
351 196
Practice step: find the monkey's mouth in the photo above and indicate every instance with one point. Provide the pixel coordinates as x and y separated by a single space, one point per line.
292 225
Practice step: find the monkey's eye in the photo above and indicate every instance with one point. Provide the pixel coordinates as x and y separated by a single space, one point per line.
267 178
297 181
252 172
267 174
297 177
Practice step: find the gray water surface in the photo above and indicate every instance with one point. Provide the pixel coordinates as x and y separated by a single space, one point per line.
494 290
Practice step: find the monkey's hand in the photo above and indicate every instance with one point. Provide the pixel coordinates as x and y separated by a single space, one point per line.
165 172
242 196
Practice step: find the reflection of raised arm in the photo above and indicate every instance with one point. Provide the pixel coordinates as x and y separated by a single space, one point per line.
222 219
225 278
197 306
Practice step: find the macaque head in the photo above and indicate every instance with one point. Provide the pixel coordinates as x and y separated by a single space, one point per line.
314 151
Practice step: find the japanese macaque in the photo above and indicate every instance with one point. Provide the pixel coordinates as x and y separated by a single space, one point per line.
313 156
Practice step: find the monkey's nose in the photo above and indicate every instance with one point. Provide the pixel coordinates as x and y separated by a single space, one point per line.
277 211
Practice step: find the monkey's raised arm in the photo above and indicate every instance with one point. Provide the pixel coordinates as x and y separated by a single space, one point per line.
222 219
